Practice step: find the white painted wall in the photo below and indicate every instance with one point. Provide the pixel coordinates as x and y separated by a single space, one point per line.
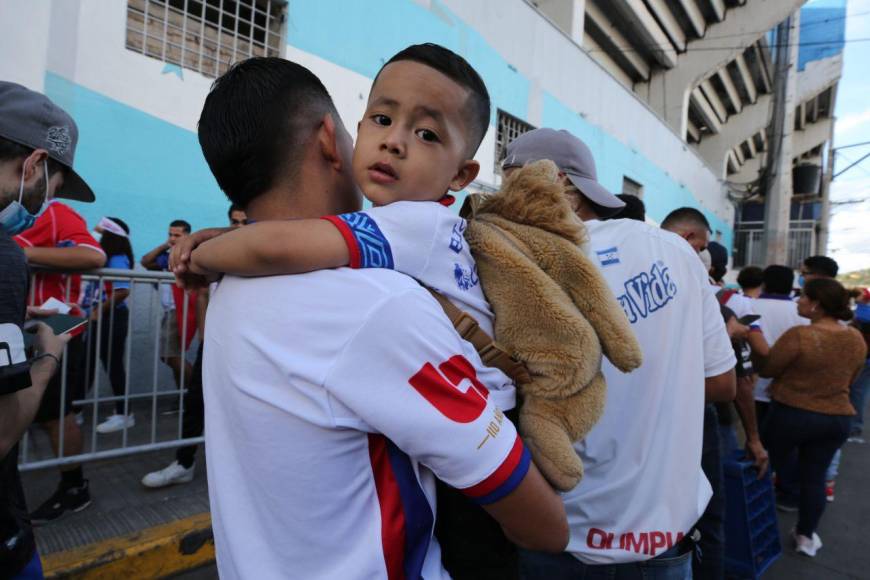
24 27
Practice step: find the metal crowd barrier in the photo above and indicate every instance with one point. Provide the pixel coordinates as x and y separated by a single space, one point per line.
149 386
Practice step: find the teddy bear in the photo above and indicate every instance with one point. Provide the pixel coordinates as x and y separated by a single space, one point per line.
553 312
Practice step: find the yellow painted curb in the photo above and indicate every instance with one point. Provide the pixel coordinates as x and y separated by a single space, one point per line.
152 553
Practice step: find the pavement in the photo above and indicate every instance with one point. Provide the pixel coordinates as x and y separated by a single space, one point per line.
125 516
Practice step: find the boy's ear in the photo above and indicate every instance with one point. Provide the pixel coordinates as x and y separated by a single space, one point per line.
327 137
466 174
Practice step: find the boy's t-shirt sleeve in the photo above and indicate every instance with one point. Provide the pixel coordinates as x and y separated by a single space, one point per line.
407 375
399 236
718 353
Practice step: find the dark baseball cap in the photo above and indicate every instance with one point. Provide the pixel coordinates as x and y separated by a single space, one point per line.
33 120
571 156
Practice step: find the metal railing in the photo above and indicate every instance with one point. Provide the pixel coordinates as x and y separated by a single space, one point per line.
749 243
149 387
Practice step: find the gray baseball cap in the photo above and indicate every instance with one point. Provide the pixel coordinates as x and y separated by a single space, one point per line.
571 156
33 120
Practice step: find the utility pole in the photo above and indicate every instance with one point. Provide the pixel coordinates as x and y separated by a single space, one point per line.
777 206
825 192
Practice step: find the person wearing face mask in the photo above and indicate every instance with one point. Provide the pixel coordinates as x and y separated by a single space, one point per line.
32 129
37 146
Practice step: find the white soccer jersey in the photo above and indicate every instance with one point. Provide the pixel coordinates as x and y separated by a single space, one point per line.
778 314
643 487
332 401
426 241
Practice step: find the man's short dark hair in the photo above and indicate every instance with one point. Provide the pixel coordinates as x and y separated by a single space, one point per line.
778 280
634 208
822 266
718 260
686 216
255 121
750 277
180 224
12 150
459 71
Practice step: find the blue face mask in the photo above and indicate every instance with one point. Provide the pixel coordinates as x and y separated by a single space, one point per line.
801 281
14 218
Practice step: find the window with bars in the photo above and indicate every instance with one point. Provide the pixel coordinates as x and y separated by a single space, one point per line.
206 36
507 129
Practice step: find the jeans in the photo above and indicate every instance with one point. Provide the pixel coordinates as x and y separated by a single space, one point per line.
834 468
193 421
815 437
711 565
540 566
858 394
32 571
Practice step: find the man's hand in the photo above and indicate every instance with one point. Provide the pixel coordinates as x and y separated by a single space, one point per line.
758 454
736 330
36 312
179 257
47 342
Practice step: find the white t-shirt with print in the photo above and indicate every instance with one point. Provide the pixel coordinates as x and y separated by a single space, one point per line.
425 240
332 401
643 487
778 314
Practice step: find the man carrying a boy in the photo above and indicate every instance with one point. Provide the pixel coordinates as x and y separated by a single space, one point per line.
332 410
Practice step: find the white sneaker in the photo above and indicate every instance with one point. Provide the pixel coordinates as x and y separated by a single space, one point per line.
174 473
807 546
116 423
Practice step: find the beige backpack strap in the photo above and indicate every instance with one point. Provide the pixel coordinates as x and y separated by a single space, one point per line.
490 352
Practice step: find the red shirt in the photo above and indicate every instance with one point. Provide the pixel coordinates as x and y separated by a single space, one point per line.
59 226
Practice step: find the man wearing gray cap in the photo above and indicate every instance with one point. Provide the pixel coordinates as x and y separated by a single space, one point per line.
643 488
37 147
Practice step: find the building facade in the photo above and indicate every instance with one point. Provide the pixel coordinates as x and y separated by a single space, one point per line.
672 96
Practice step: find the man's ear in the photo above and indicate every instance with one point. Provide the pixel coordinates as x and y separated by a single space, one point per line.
32 166
327 137
466 174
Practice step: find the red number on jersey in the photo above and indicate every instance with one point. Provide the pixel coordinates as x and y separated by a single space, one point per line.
442 389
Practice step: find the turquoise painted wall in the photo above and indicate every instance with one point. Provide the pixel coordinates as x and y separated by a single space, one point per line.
143 170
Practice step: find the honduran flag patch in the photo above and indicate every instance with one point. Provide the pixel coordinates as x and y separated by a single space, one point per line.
608 257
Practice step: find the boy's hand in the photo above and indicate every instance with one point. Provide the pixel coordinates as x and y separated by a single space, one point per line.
179 257
47 341
36 312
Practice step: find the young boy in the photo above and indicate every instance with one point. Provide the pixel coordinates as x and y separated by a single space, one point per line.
427 113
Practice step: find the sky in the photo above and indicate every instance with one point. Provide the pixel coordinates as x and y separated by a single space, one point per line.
850 223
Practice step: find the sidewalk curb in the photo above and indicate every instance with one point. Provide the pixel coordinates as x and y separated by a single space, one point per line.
151 553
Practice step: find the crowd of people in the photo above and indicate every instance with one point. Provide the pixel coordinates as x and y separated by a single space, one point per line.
341 405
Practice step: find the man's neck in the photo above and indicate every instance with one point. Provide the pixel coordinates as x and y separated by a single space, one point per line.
303 200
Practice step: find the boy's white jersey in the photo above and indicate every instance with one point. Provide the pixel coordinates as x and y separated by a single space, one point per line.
332 400
643 487
425 240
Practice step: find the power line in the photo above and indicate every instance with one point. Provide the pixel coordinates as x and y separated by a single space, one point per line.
814 23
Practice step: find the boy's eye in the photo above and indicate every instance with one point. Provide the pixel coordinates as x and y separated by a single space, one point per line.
381 120
427 135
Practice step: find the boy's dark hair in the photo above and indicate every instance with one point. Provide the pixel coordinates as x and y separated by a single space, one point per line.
822 266
634 208
831 296
12 150
459 71
778 280
234 208
115 245
180 224
686 216
255 120
750 277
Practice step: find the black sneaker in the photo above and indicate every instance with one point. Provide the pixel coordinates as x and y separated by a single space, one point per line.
65 499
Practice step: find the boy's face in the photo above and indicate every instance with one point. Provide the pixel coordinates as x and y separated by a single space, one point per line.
413 139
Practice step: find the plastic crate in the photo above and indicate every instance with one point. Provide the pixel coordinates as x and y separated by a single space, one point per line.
752 541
